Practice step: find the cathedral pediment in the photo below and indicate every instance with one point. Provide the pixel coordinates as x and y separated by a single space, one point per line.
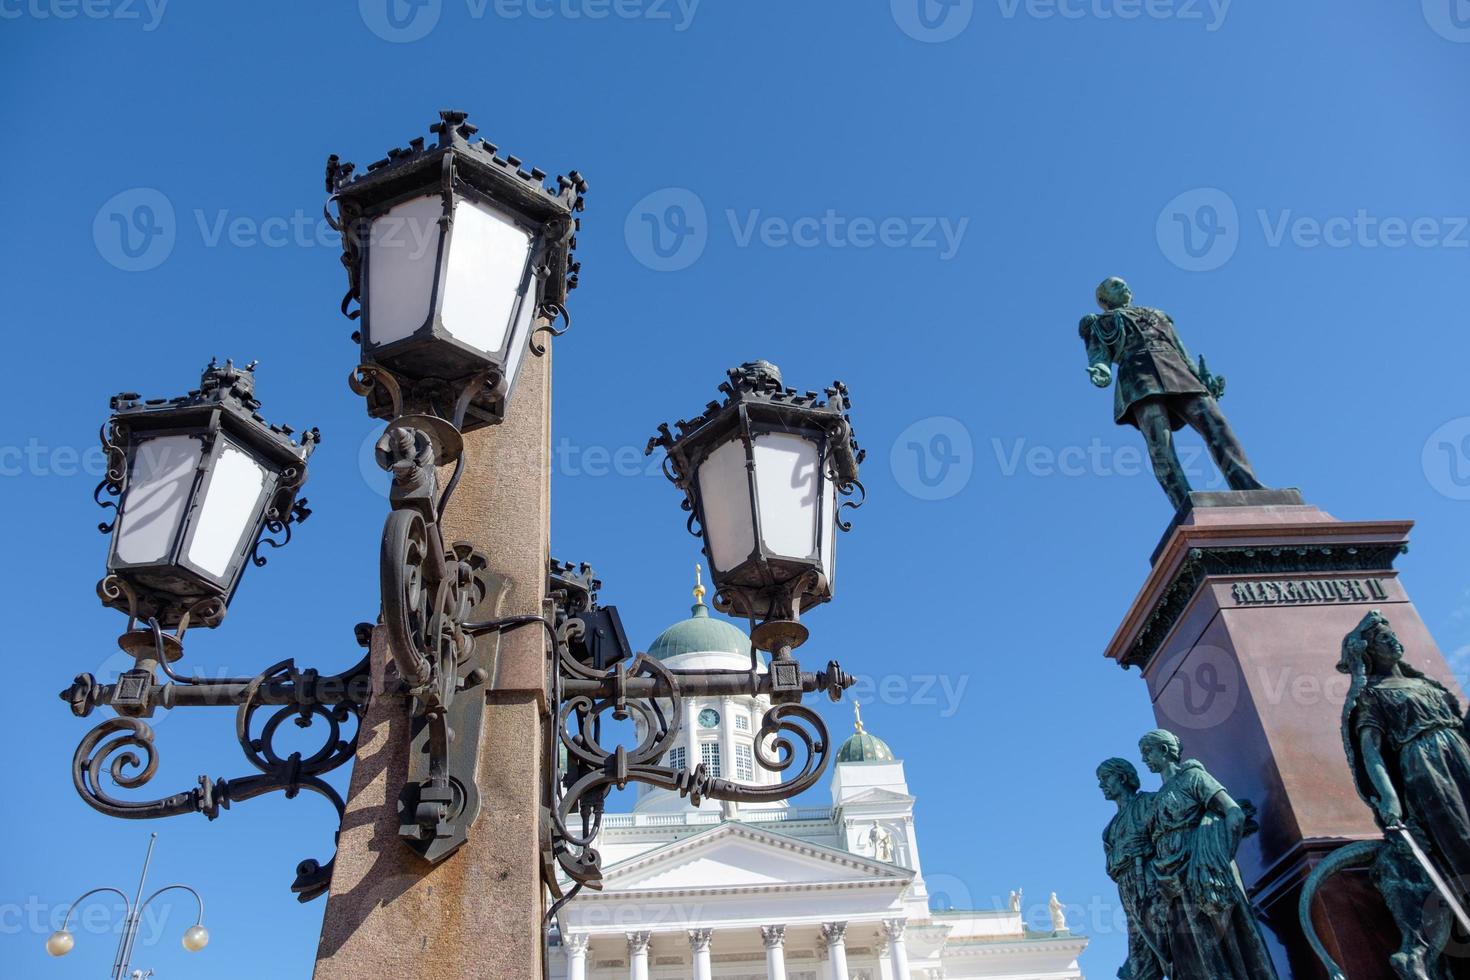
881 797
733 855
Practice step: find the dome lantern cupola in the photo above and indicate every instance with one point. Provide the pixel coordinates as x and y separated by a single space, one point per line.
716 731
700 633
861 746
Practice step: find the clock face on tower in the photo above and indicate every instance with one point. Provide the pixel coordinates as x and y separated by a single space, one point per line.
709 718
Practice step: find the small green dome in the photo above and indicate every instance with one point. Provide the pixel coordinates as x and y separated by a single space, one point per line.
700 633
862 746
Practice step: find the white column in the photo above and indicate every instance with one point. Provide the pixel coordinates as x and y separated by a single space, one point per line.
885 969
689 736
575 944
775 939
912 838
834 934
638 955
898 953
727 739
699 940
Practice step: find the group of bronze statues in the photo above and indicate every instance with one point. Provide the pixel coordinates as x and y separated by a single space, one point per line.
1172 851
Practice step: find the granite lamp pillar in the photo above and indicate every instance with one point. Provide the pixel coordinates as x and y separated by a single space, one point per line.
1237 632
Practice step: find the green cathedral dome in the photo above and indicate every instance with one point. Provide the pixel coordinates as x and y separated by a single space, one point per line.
862 746
700 633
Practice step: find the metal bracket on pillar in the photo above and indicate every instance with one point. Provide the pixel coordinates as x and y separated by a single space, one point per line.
437 600
123 746
589 681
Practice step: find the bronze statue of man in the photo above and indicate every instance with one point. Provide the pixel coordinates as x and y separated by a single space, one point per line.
1196 827
1159 389
1129 849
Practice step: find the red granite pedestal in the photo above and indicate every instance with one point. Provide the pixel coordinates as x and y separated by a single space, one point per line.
1237 631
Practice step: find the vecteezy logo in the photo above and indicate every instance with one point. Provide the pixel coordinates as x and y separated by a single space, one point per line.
932 21
377 481
1203 692
135 230
1199 230
1446 459
947 891
667 230
400 21
933 458
1450 19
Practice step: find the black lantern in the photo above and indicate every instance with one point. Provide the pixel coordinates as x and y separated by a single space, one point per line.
454 254
763 475
199 479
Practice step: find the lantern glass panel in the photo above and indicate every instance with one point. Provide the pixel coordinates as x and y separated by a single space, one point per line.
724 494
519 339
160 481
787 487
486 278
228 514
403 256
829 530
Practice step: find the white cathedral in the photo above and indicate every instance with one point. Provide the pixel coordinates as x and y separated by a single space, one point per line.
727 892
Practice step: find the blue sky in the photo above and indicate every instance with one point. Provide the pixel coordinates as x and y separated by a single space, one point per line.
918 201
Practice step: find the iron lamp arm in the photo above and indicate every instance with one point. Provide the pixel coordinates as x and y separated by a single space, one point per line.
127 903
199 900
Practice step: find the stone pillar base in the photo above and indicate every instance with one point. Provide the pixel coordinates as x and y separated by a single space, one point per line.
389 914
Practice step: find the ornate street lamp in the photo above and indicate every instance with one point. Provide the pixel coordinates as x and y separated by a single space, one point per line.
199 479
459 257
198 483
456 256
196 937
763 474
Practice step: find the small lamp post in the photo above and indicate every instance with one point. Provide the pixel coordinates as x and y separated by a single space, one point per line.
454 254
198 480
763 474
196 937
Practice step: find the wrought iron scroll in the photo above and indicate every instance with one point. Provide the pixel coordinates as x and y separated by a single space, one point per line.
284 508
113 437
792 740
121 749
549 313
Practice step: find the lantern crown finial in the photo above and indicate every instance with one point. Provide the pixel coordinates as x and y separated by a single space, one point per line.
758 376
857 718
699 590
229 382
451 124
